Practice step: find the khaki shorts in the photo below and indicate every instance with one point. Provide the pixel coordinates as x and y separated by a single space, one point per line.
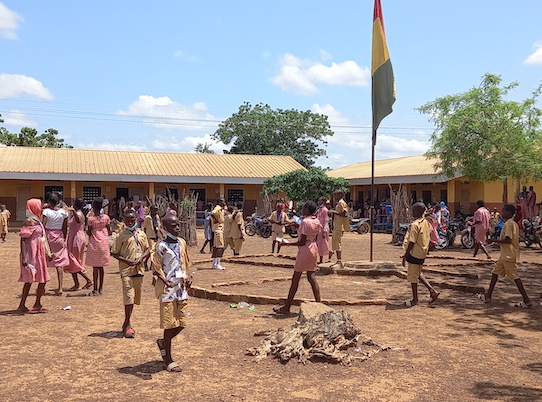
274 235
414 272
218 240
131 289
173 314
336 239
507 269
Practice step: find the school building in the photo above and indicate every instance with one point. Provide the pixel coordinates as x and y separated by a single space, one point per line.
418 175
27 172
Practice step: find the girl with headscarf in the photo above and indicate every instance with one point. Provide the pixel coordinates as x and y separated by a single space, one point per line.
140 214
33 257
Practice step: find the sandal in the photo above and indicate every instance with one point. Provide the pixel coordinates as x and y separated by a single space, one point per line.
88 285
280 311
522 304
73 289
409 304
173 367
161 348
129 333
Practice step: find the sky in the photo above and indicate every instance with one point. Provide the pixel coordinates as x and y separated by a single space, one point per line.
161 76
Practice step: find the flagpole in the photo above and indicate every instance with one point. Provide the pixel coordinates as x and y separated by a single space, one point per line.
372 209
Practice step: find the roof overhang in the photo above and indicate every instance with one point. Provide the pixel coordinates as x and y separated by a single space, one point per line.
130 178
428 178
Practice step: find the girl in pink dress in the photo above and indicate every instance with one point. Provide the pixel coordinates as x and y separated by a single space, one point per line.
323 239
55 221
307 255
76 244
33 257
98 255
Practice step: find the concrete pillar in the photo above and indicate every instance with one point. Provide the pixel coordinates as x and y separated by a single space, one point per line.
222 191
151 191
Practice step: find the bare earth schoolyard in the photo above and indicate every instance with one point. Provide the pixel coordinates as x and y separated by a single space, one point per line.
457 350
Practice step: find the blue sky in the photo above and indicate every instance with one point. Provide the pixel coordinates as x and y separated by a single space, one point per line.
160 76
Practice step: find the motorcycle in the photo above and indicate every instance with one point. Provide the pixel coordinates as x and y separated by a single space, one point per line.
360 225
531 232
257 225
447 238
292 228
399 236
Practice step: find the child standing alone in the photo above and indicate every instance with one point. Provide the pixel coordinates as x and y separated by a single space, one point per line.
416 245
170 263
507 263
307 255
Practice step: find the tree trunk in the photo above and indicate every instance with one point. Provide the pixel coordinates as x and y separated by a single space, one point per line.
505 191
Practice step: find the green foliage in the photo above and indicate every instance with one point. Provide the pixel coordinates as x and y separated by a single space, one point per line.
28 137
261 130
303 184
482 135
203 148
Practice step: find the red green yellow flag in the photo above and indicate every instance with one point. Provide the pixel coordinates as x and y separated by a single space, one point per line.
383 88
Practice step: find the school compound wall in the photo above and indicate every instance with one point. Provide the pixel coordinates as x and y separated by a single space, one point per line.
15 193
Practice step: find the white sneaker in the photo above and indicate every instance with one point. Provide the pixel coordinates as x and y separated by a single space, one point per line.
220 267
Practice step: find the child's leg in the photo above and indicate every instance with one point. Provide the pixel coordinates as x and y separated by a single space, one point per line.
39 293
521 289
494 278
101 279
89 282
75 282
169 334
24 296
414 300
315 288
60 276
278 247
476 248
273 246
339 255
434 294
128 309
202 251
291 294
95 277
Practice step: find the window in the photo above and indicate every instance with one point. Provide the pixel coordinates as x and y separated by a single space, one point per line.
89 193
426 196
235 195
53 189
444 196
201 193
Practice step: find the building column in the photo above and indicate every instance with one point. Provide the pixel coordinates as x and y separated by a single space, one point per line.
453 202
151 191
222 190
73 192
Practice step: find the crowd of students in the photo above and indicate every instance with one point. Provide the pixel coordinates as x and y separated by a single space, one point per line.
54 236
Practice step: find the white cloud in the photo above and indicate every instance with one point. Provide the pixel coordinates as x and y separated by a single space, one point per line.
162 112
13 85
9 22
301 76
536 56
108 146
335 118
388 146
187 144
17 118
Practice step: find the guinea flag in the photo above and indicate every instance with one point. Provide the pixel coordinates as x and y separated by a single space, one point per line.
383 90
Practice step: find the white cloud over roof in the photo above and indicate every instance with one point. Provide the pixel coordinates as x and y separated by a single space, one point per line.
9 22
302 76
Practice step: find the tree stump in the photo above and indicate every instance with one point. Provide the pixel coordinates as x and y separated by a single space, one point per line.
320 334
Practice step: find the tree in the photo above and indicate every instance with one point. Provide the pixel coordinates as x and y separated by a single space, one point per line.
304 184
28 137
261 130
481 135
203 148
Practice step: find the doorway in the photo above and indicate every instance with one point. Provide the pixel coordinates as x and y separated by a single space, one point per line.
122 192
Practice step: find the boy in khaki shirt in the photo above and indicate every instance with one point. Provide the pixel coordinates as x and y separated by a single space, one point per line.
131 249
507 263
237 229
217 221
279 220
416 245
340 224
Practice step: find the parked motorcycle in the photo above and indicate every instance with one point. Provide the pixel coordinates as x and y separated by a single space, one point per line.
360 225
531 232
447 238
399 236
258 225
292 229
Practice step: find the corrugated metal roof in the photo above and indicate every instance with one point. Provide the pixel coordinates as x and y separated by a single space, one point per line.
417 167
125 164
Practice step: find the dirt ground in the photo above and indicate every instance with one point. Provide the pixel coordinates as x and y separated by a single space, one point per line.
457 350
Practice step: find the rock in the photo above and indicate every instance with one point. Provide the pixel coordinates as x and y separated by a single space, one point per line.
310 310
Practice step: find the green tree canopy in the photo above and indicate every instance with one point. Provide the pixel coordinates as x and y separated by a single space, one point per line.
203 148
482 135
303 184
261 130
28 137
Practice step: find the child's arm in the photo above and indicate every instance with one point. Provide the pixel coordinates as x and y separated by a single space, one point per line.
407 252
125 260
300 242
506 240
23 253
65 227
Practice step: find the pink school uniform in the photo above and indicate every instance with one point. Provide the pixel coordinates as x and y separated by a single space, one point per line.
323 239
76 243
35 255
55 237
307 255
98 243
